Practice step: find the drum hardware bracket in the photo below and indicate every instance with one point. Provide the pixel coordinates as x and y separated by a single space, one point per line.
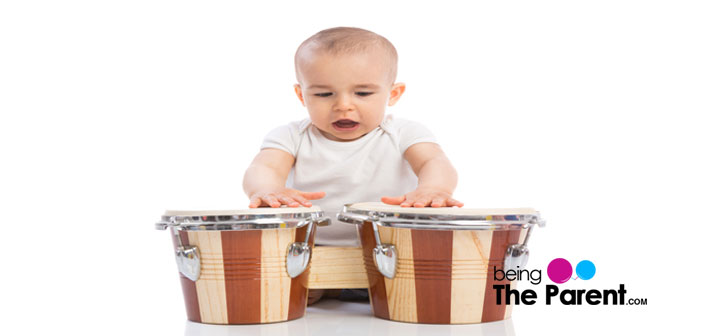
384 255
188 260
299 254
517 255
187 257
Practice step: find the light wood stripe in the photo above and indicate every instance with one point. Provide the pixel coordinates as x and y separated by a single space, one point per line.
467 294
275 282
337 267
210 287
401 291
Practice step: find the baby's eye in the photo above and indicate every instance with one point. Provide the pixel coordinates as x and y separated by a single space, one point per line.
364 94
324 94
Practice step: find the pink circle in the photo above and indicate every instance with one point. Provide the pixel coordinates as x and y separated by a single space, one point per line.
559 270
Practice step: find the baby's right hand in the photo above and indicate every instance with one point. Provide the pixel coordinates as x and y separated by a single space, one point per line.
290 197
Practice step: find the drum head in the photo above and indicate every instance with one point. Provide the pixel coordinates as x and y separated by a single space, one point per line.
243 219
255 211
439 218
382 207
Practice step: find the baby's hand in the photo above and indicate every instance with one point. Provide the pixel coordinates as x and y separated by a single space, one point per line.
290 197
423 197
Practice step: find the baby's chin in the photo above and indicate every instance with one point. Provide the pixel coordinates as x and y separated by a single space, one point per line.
344 136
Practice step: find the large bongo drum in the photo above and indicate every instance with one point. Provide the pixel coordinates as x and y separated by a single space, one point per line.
244 266
437 265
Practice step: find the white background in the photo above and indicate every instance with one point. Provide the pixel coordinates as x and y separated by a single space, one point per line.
113 111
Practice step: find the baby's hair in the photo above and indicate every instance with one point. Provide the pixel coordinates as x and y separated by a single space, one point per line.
348 40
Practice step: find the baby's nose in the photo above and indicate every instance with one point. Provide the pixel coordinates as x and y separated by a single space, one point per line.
343 103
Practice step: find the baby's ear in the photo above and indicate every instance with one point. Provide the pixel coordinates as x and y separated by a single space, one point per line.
298 92
395 93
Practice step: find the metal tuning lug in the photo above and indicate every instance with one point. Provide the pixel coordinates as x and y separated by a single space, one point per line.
187 257
299 253
384 255
188 260
517 255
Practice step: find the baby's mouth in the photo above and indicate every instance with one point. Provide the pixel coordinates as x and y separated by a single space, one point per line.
345 125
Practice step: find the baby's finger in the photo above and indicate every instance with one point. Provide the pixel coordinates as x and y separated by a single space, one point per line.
255 202
272 201
393 200
421 202
288 201
408 202
302 200
438 202
452 202
313 195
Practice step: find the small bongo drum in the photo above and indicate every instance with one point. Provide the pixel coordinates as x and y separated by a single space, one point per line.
437 265
244 266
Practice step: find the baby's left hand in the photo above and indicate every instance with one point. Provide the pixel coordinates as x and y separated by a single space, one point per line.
423 197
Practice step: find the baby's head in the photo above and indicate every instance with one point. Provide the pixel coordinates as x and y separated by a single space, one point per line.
346 78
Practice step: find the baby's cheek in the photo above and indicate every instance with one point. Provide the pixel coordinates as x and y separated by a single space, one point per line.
317 117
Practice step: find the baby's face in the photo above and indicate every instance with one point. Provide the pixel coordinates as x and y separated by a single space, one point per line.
346 95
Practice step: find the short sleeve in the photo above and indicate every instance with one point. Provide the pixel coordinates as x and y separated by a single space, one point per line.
286 138
411 132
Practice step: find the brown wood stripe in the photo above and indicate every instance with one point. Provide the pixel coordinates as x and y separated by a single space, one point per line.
298 285
513 284
242 267
376 282
432 250
501 239
192 308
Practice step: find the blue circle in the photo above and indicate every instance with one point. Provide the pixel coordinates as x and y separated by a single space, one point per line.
585 270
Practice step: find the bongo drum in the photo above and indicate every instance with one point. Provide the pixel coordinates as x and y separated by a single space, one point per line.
436 265
244 266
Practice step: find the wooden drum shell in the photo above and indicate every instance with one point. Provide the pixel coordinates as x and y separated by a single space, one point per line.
442 277
243 277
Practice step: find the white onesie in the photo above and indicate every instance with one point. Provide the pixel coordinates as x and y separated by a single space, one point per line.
361 170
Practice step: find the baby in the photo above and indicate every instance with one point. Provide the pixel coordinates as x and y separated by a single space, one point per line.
348 150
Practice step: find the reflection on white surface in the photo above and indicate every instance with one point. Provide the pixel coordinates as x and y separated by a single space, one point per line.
347 318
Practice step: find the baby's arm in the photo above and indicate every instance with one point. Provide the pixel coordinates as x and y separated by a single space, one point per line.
264 181
437 178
